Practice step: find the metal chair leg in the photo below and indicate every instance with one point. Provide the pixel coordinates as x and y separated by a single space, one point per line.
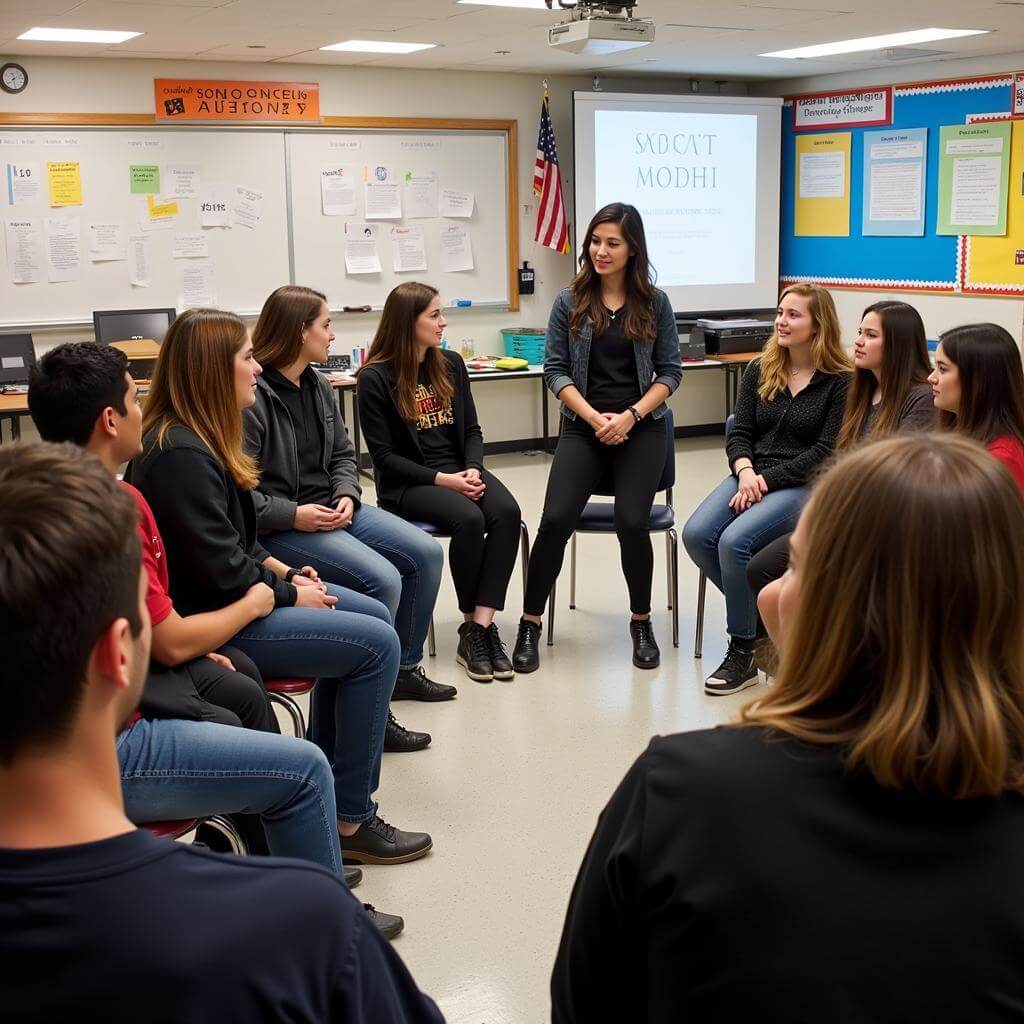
293 710
431 646
524 547
572 574
551 615
702 588
668 556
673 575
227 829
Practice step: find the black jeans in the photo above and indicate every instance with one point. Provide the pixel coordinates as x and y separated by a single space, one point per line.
581 465
768 564
233 698
484 536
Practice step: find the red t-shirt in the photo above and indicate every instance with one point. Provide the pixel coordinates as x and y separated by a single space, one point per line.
1010 452
158 601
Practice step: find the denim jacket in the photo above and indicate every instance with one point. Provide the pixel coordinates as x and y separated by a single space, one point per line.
567 355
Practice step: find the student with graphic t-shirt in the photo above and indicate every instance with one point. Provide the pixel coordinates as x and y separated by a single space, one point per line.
420 424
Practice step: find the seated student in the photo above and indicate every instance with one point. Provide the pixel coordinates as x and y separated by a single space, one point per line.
889 394
308 500
979 389
851 851
198 481
100 920
788 415
419 421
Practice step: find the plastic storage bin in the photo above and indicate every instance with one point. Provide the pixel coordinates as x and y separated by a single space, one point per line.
525 342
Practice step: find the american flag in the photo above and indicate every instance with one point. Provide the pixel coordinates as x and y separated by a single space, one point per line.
552 230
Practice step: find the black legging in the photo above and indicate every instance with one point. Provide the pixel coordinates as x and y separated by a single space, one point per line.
768 564
484 536
580 465
233 698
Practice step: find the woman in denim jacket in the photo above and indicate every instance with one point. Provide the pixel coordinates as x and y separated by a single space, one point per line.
612 359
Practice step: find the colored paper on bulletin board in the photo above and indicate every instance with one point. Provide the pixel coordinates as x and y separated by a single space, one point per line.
823 184
895 165
65 181
145 179
996 264
974 173
159 210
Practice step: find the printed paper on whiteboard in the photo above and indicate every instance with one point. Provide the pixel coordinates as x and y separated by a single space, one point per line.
361 249
456 249
197 286
188 247
455 203
338 190
181 181
63 248
24 182
247 208
408 250
138 264
215 206
383 200
421 195
24 250
107 241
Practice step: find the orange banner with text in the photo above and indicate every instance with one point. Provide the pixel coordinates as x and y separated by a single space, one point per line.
190 99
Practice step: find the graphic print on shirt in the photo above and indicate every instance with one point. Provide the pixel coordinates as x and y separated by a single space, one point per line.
430 412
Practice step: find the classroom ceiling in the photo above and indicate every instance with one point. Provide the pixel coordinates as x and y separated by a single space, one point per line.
698 37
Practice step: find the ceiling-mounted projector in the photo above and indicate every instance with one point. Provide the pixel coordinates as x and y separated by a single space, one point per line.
599 28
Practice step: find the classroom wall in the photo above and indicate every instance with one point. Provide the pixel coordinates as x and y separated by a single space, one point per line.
508 411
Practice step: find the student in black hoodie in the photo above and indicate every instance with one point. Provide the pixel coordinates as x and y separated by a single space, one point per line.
420 424
198 480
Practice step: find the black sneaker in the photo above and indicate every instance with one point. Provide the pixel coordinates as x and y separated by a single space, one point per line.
737 671
353 876
414 684
377 842
526 656
474 653
389 925
499 659
399 740
645 647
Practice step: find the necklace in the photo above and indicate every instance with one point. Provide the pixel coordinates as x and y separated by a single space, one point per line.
611 315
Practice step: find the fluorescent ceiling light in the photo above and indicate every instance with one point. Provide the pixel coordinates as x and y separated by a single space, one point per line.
76 35
921 35
371 46
536 5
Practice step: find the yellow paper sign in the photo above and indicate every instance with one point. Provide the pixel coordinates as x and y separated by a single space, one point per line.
822 184
159 210
65 180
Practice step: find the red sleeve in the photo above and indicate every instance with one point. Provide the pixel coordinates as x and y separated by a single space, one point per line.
154 558
1009 451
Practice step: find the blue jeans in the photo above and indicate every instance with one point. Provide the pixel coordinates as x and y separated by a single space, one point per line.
173 769
721 543
352 652
379 555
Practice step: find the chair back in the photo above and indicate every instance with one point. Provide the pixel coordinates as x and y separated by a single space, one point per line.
729 421
606 488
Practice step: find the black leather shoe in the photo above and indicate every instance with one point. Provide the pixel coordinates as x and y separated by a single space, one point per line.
389 925
474 653
526 656
499 659
353 876
398 740
737 671
377 842
645 647
415 684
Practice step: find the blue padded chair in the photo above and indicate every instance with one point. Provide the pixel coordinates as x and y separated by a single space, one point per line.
599 517
702 582
524 548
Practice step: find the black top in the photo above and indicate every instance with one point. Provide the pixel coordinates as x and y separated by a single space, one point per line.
207 522
435 426
612 382
137 928
314 485
787 438
394 444
739 876
916 414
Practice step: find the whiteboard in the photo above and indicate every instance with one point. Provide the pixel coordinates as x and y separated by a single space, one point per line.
470 161
248 263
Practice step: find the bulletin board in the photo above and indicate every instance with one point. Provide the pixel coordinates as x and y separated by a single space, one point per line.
930 262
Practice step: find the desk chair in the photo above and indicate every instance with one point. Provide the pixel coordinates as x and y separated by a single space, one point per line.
284 692
702 580
599 517
524 548
177 829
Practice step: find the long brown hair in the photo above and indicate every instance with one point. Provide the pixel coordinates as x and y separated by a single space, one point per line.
906 644
277 336
194 386
639 324
395 344
904 363
991 382
826 348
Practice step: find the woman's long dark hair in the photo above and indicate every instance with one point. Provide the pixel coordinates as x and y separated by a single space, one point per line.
395 344
639 324
991 382
904 363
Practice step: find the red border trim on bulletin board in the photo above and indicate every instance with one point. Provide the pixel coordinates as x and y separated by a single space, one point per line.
887 89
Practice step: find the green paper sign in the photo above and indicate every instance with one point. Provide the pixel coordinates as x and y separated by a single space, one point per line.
145 179
974 178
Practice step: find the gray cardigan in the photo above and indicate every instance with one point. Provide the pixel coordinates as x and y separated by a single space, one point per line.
567 355
270 440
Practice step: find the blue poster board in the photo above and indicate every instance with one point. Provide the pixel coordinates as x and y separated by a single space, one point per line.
895 166
927 262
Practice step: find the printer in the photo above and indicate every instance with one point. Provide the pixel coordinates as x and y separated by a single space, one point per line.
727 337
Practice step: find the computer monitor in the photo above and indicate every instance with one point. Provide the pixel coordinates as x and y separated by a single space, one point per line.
131 324
17 357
